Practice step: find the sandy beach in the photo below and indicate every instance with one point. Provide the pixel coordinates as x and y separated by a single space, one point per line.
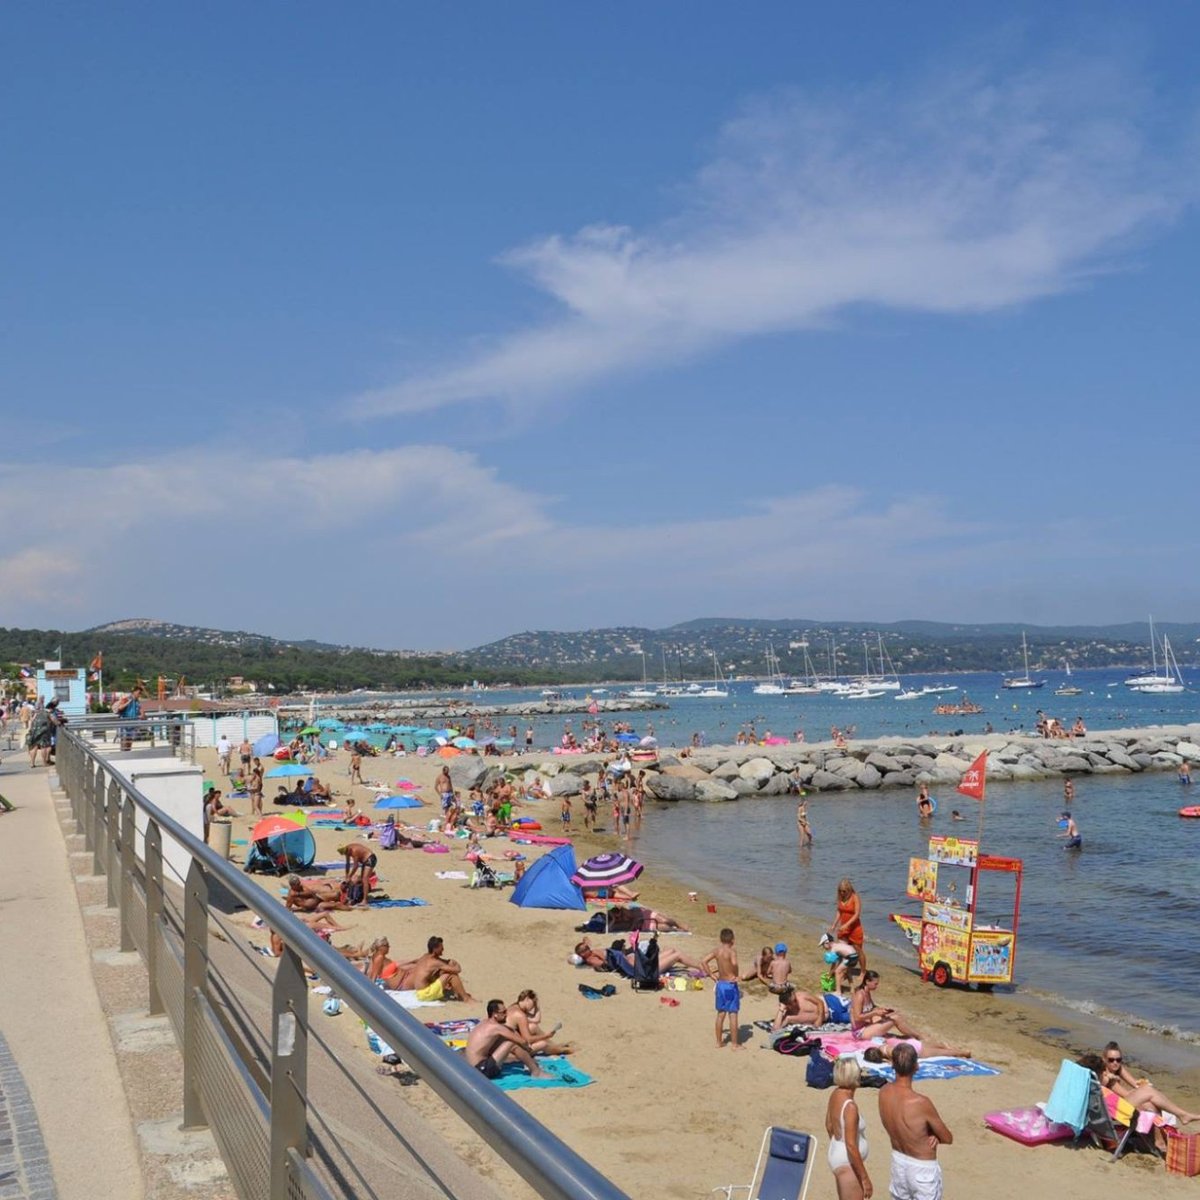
666 1104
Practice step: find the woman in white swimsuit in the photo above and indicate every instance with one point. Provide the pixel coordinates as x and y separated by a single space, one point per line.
847 1134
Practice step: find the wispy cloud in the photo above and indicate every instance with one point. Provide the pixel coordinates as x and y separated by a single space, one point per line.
970 194
426 546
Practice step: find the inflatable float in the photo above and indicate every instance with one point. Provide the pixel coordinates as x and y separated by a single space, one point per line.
527 823
1192 810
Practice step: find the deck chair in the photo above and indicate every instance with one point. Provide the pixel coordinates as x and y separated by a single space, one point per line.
1128 1128
1078 1100
784 1168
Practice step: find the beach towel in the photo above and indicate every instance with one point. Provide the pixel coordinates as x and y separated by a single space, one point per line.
936 1068
452 1028
1068 1101
435 848
451 875
559 1074
413 902
326 822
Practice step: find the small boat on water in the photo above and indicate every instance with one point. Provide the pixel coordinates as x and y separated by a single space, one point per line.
1068 688
1023 682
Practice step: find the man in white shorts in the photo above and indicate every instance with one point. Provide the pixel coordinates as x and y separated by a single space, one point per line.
916 1131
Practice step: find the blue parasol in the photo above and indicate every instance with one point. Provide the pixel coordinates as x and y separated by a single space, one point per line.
288 770
399 802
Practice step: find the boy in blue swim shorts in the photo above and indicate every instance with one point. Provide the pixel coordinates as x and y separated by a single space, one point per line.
722 965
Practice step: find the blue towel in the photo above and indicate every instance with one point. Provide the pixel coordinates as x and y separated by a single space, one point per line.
415 902
560 1073
1068 1101
939 1068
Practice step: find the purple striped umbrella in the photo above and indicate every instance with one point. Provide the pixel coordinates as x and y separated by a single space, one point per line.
607 870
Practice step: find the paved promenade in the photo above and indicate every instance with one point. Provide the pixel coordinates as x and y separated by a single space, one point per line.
65 1128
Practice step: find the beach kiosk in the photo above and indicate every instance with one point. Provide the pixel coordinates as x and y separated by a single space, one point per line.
952 947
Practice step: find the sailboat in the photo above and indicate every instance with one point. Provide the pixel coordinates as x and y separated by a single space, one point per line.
1023 682
810 686
1170 682
645 692
1068 688
773 684
1155 682
717 690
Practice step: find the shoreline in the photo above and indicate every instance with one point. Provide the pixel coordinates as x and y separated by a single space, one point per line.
662 1092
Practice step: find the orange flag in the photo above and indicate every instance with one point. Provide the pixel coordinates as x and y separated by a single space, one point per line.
975 780
98 661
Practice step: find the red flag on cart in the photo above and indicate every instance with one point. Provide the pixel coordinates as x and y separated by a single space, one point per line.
975 780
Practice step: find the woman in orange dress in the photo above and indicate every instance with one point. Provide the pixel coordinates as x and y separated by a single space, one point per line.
848 925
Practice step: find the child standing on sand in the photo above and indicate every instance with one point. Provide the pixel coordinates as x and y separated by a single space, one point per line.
722 965
566 813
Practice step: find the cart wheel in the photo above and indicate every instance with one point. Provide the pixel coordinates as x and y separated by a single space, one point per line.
941 975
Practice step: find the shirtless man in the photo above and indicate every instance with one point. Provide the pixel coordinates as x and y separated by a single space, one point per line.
360 861
432 976
803 1008
915 1129
525 1018
444 788
492 1042
722 965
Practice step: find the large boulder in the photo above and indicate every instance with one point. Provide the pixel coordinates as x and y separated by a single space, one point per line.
851 768
744 787
670 787
777 785
1074 764
567 784
869 777
686 771
905 778
1188 750
923 762
884 763
951 762
467 772
1024 771
827 781
757 769
713 790
1119 758
726 770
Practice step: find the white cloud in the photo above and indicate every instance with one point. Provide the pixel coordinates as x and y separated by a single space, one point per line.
970 195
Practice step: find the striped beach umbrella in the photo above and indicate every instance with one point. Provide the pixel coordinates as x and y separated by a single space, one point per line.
607 870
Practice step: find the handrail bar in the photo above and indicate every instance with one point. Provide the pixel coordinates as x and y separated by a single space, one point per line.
551 1167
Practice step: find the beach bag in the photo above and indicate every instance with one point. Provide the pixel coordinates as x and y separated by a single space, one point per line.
794 1043
389 839
1183 1153
819 1072
645 967
352 893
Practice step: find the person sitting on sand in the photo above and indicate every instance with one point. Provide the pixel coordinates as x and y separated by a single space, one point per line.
760 969
491 1043
432 976
381 968
804 1008
642 920
868 1019
525 1018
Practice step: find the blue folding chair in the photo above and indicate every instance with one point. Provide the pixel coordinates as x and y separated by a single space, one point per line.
783 1170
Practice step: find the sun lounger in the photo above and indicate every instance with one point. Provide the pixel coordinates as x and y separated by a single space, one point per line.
1079 1101
784 1168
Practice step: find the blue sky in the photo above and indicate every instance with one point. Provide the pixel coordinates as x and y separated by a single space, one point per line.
419 326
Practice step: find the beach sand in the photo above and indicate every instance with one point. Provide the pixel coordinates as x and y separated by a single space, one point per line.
668 1108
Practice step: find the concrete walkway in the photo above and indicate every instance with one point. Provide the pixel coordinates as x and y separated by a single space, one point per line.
57 1036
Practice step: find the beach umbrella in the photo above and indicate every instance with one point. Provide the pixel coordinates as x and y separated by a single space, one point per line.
406 785
275 824
288 770
649 742
405 728
448 752
627 737
607 870
465 743
309 729
398 802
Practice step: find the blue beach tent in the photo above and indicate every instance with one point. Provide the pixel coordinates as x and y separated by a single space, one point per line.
267 744
547 884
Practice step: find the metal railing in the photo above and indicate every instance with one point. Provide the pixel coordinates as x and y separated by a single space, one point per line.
146 733
261 1118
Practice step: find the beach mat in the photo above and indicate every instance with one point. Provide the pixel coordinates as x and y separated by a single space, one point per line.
939 1068
413 902
560 1074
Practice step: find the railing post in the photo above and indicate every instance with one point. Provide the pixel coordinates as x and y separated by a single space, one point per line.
86 782
99 828
154 910
289 1069
195 979
125 891
112 863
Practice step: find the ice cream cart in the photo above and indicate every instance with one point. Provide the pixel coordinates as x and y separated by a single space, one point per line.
952 947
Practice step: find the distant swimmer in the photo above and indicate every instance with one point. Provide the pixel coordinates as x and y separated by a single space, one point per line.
924 803
1070 831
955 815
1185 772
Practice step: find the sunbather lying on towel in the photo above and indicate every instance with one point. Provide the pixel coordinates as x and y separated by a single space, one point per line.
303 899
588 956
642 920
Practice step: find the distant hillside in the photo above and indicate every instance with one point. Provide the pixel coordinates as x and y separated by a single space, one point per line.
147 648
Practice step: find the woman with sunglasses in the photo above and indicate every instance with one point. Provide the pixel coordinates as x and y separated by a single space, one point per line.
1141 1094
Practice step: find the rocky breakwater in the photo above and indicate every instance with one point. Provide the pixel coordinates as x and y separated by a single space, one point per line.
719 773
